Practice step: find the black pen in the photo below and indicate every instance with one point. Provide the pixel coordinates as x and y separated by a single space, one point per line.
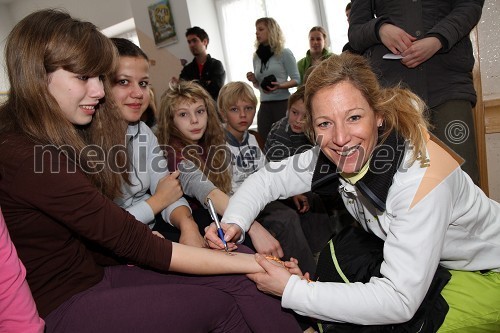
213 214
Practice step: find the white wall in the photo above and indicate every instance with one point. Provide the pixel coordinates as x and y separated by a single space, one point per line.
489 53
202 13
103 13
180 16
489 48
167 59
186 14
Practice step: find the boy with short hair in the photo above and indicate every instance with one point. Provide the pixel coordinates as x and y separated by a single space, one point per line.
287 136
237 104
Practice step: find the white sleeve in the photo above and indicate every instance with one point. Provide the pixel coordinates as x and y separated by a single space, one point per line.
170 208
143 212
275 180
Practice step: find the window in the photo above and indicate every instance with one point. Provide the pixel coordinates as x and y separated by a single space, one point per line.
336 23
296 17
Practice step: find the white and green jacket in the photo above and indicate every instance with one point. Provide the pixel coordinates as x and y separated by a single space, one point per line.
426 215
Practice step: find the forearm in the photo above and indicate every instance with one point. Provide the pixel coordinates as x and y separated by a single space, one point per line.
194 183
182 219
216 81
255 229
458 23
172 207
363 27
192 260
288 84
156 203
220 200
142 211
263 241
269 184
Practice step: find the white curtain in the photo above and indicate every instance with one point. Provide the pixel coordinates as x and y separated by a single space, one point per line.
295 17
237 24
336 23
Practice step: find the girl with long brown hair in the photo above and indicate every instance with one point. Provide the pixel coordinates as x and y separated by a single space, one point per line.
60 133
188 124
192 137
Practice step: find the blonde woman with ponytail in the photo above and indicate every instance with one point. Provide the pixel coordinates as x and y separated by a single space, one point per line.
427 238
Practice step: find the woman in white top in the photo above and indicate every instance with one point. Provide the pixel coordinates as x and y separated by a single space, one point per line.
400 185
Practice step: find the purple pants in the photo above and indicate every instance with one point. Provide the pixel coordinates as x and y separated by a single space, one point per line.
131 299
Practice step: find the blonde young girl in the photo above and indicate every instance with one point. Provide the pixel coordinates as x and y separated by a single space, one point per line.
191 134
193 137
188 124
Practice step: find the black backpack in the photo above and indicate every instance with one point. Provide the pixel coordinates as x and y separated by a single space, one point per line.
357 257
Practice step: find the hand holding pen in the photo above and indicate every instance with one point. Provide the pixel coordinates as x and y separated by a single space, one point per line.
213 214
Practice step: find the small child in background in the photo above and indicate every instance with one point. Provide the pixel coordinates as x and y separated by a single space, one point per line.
286 139
151 189
237 104
287 136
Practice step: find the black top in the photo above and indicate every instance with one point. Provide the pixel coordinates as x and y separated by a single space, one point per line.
212 75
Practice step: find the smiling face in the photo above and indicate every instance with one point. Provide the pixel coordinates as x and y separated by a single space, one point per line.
131 87
345 126
262 33
191 119
316 42
239 117
77 95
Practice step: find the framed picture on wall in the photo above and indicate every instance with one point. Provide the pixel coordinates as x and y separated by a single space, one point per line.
162 23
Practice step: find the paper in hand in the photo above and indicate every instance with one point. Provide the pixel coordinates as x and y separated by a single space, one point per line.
391 56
